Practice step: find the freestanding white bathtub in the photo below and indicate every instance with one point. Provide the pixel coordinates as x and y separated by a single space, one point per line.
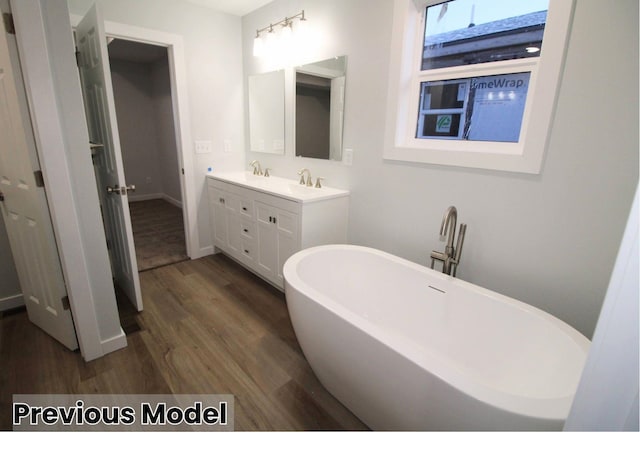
408 348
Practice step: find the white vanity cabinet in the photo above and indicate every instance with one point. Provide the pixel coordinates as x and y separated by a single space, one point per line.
232 222
261 227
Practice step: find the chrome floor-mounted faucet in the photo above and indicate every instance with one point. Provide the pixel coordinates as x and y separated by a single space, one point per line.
451 256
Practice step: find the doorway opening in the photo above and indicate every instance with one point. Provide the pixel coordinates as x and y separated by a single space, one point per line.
144 109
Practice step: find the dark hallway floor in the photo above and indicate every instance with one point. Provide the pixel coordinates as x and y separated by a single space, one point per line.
158 233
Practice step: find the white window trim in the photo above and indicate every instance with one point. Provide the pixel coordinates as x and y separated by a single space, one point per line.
405 76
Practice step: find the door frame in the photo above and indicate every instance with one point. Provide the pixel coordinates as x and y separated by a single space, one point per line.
181 119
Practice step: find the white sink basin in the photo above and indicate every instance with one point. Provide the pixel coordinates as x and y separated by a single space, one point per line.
282 187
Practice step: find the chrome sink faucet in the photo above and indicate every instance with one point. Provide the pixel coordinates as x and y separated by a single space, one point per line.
308 182
257 169
451 256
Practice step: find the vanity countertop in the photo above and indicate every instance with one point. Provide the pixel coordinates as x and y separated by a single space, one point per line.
281 187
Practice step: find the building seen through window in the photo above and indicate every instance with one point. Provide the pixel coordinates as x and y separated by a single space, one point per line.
465 32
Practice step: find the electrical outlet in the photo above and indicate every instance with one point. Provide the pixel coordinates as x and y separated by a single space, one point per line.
203 146
227 146
278 144
347 157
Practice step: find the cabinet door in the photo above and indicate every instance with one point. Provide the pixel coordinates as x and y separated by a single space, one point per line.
267 235
288 242
277 232
218 217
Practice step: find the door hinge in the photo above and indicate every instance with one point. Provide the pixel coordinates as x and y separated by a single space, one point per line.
77 57
39 178
108 245
9 26
182 170
65 302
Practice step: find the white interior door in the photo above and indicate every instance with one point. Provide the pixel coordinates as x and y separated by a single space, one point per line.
27 220
103 128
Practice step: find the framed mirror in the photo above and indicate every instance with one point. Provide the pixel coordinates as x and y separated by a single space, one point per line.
319 108
266 112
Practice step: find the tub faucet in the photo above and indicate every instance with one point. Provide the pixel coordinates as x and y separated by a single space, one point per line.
451 256
257 169
308 182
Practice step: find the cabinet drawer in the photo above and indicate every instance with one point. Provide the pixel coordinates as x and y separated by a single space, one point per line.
248 249
246 207
247 229
239 205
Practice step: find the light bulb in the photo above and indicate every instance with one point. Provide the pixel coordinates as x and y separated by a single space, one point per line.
286 32
258 46
270 44
303 26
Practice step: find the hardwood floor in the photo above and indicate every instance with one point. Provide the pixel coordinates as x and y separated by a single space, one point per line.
209 326
158 233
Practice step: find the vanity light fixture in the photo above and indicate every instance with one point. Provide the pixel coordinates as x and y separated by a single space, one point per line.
287 28
258 46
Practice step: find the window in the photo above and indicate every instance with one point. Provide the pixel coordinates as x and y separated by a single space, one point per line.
488 108
473 82
463 32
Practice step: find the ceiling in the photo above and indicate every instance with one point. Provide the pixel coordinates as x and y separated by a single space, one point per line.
235 7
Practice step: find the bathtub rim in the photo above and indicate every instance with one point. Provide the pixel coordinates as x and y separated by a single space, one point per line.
552 408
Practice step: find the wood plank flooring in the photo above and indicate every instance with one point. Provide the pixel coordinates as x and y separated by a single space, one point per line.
209 326
158 233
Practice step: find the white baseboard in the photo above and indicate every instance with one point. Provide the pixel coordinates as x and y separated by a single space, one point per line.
7 303
144 196
114 343
173 201
204 251
155 196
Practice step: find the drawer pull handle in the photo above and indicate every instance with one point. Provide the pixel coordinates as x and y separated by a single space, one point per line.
244 208
245 230
246 251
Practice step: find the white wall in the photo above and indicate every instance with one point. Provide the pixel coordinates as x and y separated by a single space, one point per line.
213 55
548 239
133 96
166 137
142 93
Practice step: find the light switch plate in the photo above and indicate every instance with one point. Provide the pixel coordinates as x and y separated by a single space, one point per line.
347 157
203 146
